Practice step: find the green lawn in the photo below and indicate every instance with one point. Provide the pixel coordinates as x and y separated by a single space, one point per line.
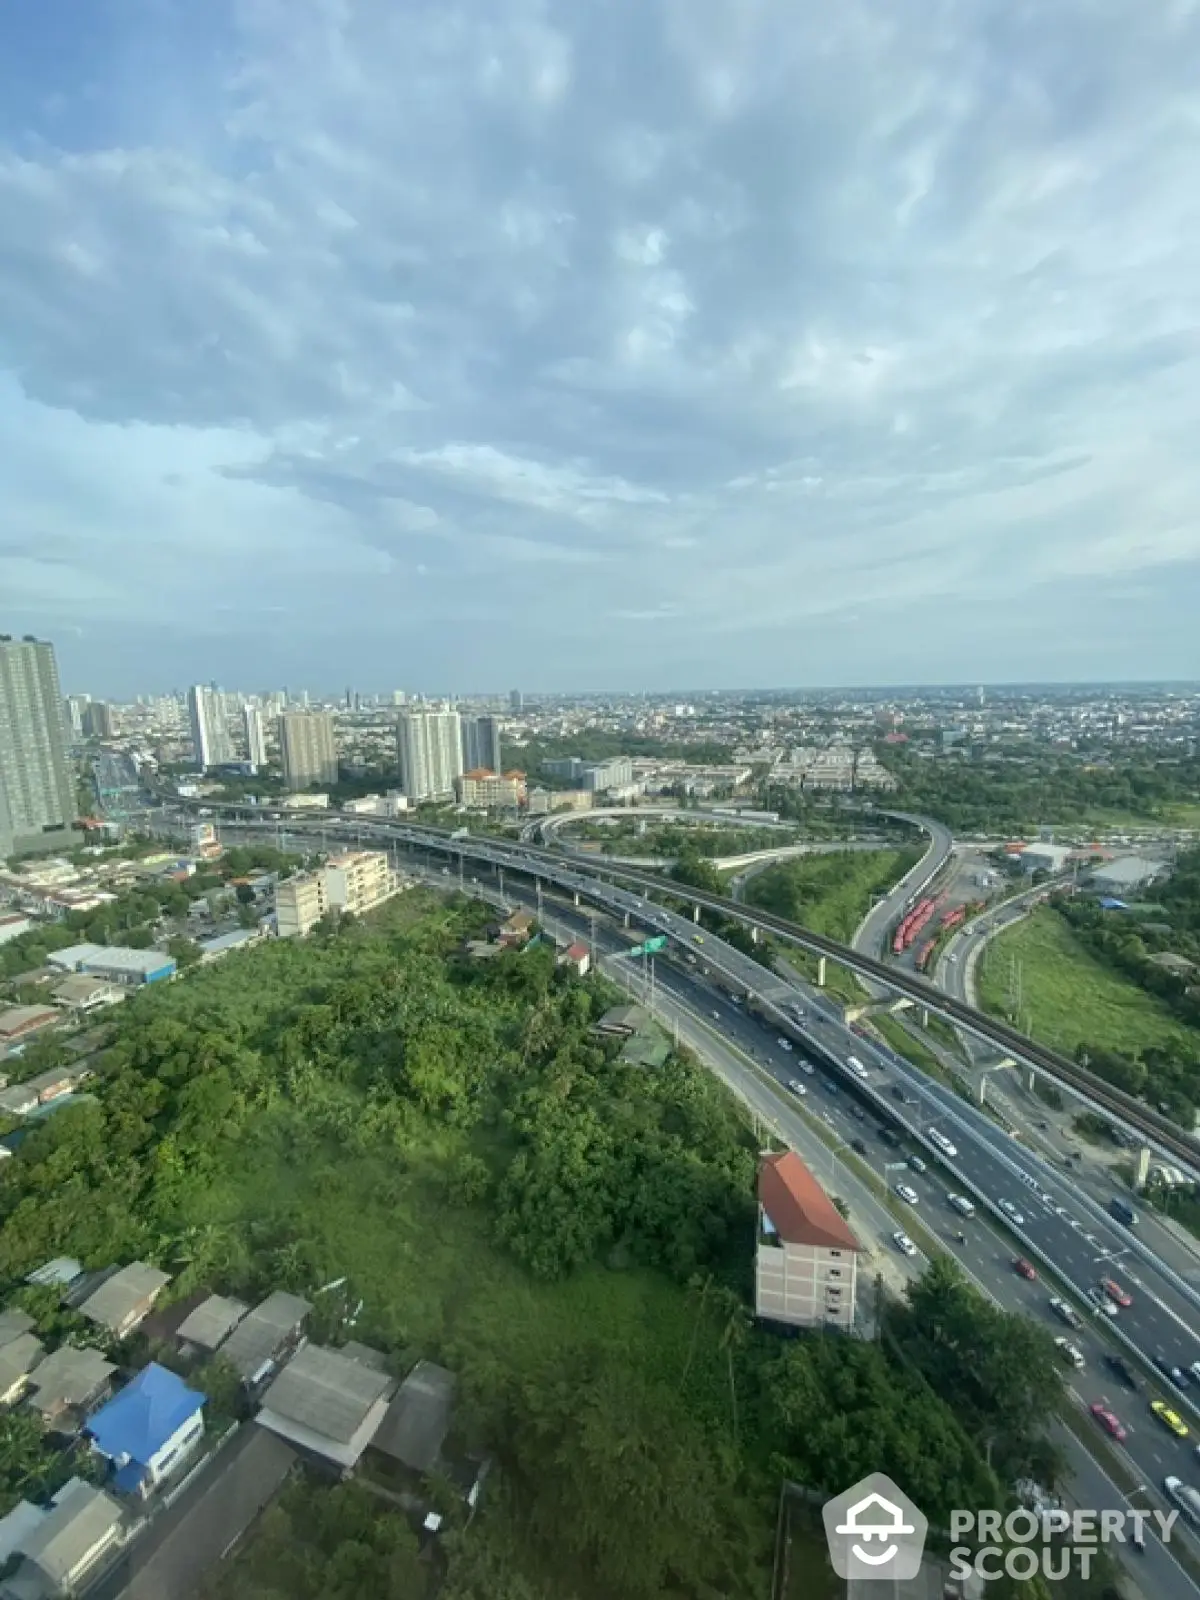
832 893
1068 998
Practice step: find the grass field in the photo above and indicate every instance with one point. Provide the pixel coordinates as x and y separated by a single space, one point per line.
1068 998
829 894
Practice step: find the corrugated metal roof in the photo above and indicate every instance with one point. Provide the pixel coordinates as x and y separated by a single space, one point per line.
148 1412
82 1520
118 1296
327 1392
261 1332
213 1320
418 1419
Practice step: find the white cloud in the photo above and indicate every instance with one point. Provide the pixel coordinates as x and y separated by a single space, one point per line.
586 315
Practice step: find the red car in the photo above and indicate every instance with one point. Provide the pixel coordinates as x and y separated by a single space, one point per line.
1115 1292
1108 1421
1025 1268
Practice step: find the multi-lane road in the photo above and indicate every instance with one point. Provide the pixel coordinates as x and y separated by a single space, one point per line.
1049 1218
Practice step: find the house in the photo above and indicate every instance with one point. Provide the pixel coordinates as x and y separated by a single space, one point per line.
213 1320
148 1428
18 1101
125 1297
266 1336
622 1022
327 1404
66 1543
515 930
1125 874
807 1258
57 1081
578 957
81 993
18 1357
1179 965
14 1322
67 1384
57 1274
22 1022
415 1426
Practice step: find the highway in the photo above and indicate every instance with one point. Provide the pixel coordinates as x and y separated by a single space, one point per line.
872 932
1061 1228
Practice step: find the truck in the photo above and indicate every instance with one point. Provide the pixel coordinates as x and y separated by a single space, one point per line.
1123 1211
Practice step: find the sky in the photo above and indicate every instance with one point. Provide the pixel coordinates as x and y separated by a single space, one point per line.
451 345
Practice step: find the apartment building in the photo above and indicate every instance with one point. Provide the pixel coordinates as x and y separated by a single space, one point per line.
807 1259
307 748
481 743
355 883
211 744
486 790
358 881
300 903
256 737
37 785
429 751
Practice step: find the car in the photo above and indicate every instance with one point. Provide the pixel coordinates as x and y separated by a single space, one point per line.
1025 1268
1064 1311
1114 1291
859 1145
1109 1421
697 938
806 1066
784 1044
916 1164
858 1113
1171 1420
953 956
796 1086
907 1193
1102 1303
1071 1353
904 1244
888 1135
1061 1211
1124 1372
1169 1370
1011 1212
716 1016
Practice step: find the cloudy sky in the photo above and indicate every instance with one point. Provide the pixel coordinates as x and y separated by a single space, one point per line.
455 344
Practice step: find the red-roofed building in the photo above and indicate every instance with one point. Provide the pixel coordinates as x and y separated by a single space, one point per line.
577 957
807 1263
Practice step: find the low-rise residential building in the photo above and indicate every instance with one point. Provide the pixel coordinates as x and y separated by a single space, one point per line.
266 1336
484 790
125 1297
300 903
57 1081
148 1429
807 1258
212 1321
13 925
415 1426
578 957
22 1022
80 993
358 881
327 1404
66 1542
18 1101
516 929
67 1384
20 1352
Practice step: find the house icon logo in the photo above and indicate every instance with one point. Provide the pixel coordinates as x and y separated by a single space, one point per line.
874 1531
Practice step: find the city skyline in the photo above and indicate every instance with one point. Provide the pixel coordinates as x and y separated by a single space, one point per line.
685 346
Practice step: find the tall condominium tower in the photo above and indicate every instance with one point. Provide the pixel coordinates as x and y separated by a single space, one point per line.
37 789
481 743
307 747
429 747
211 744
256 736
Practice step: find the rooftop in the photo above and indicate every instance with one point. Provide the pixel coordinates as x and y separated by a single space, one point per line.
212 1320
327 1402
18 1358
13 1323
799 1209
69 1376
259 1335
138 1421
418 1419
82 1519
112 1303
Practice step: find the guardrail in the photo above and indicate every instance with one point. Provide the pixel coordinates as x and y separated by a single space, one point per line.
1156 1128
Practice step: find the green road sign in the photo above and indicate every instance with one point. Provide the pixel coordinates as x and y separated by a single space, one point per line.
651 945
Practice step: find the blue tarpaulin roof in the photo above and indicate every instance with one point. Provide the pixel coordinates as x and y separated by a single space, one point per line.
137 1422
1109 904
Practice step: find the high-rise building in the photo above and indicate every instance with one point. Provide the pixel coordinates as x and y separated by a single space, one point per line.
307 748
37 790
256 736
429 748
515 701
211 745
77 705
98 720
481 743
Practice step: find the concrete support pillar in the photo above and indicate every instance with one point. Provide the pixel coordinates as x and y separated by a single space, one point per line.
576 896
924 1016
1031 1080
983 1083
1142 1170
820 972
695 913
756 934
627 919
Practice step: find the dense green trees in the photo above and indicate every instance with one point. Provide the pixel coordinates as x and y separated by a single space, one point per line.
830 893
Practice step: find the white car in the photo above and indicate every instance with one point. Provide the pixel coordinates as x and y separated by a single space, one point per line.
784 1044
1102 1303
796 1086
807 1066
1011 1212
904 1244
1064 1312
1070 1352
907 1193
